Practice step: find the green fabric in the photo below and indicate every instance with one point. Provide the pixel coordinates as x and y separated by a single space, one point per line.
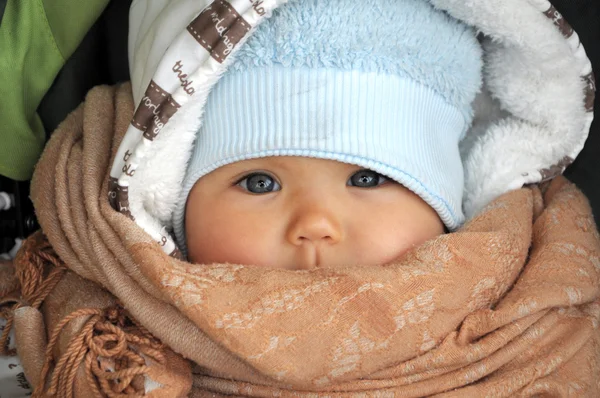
36 38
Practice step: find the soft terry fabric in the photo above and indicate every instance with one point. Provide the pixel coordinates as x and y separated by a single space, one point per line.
507 306
385 85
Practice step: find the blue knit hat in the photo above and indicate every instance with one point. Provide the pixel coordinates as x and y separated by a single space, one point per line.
382 84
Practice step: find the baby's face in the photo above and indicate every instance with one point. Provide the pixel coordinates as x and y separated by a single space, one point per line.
301 213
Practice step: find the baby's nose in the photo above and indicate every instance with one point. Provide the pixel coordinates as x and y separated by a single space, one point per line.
315 226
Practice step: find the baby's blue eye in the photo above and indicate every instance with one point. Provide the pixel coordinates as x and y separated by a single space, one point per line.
366 179
259 183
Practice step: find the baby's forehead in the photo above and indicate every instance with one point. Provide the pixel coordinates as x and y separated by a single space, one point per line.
287 164
290 161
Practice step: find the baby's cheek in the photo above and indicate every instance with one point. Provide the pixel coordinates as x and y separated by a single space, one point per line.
230 244
401 234
394 246
249 252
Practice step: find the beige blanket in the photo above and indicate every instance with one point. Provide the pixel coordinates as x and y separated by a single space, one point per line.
507 306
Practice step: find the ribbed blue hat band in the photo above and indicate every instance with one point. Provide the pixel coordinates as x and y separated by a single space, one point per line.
390 124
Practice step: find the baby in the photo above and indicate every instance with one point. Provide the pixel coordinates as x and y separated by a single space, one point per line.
331 141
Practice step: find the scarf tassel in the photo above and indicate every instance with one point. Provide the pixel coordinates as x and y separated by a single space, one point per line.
113 348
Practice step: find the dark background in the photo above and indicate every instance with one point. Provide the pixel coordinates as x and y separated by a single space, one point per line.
584 17
102 59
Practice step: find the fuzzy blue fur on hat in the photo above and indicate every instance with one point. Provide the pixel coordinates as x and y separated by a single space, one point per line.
406 38
383 84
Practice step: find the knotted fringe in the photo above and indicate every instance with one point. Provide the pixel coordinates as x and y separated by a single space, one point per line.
112 346
38 269
113 349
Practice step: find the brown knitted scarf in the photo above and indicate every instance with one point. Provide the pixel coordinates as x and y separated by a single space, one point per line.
507 306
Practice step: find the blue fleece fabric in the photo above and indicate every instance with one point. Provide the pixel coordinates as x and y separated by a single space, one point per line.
406 38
